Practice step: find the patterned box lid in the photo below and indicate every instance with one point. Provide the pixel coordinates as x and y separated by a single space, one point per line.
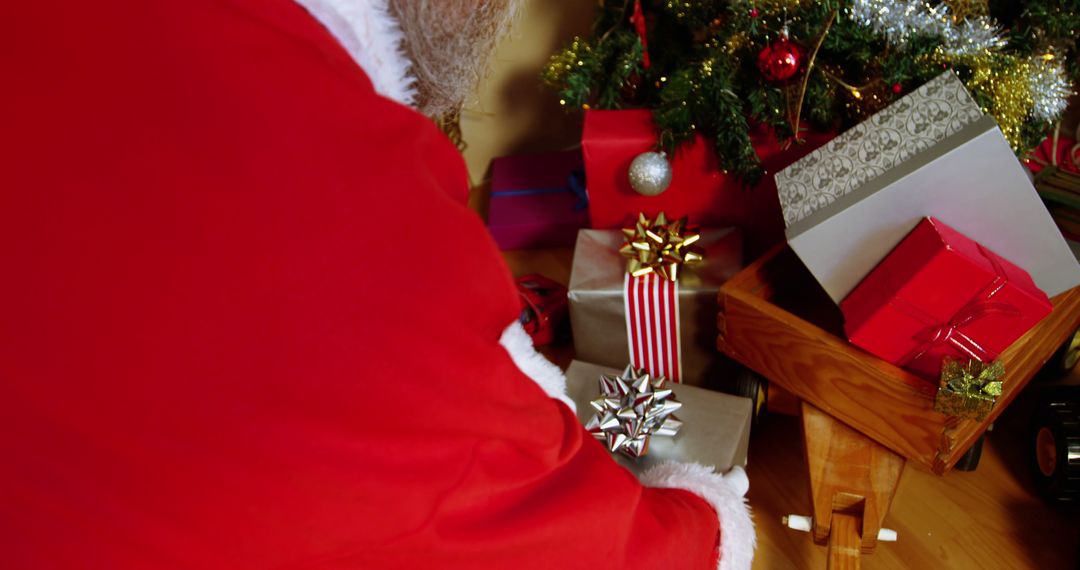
905 128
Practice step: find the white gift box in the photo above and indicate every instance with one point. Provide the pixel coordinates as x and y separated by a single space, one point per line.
934 153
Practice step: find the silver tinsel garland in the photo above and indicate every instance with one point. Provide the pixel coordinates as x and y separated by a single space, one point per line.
898 20
1050 90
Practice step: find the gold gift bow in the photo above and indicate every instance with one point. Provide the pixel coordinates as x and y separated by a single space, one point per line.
660 246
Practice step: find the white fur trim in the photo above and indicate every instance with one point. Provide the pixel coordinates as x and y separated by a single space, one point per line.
367 30
548 376
725 494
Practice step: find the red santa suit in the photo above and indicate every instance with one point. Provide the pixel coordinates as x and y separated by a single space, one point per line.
247 321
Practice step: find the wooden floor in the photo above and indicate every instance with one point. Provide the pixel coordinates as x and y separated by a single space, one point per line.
988 518
985 519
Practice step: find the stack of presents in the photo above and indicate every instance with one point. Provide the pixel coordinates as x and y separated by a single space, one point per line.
920 224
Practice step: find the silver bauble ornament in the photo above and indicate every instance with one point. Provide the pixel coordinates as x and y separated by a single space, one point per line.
650 173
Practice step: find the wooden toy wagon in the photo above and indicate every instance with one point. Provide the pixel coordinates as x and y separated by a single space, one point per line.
863 418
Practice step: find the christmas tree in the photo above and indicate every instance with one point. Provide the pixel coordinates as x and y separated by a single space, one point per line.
716 66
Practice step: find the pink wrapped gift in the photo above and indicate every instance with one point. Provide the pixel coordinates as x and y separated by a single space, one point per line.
537 200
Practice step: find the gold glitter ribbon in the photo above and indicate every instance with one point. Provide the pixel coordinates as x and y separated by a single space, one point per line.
660 246
969 390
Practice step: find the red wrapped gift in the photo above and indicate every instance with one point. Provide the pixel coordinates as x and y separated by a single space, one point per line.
1055 150
940 294
698 190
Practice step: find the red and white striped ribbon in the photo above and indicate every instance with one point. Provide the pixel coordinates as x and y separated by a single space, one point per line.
652 324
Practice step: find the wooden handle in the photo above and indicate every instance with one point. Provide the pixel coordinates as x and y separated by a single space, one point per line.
844 550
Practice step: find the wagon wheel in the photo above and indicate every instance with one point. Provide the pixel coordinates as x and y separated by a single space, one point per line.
970 459
749 384
1064 360
1055 446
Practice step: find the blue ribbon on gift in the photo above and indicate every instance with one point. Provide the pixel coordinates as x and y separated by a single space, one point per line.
575 184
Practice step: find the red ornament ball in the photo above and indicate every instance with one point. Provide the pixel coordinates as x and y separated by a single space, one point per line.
754 12
780 60
897 88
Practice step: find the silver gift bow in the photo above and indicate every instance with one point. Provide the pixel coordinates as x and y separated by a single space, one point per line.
632 407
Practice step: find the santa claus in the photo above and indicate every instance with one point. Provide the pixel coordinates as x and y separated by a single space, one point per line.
247 321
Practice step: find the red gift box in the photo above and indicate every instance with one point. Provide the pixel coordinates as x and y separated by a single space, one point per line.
940 294
698 190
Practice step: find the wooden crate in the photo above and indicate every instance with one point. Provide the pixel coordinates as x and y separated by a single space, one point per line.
776 319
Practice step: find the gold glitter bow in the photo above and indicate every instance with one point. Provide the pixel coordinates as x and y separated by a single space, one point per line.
659 246
969 390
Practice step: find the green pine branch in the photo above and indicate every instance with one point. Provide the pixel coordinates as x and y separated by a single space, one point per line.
703 78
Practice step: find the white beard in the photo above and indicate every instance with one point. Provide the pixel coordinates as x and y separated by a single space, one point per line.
430 54
450 43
